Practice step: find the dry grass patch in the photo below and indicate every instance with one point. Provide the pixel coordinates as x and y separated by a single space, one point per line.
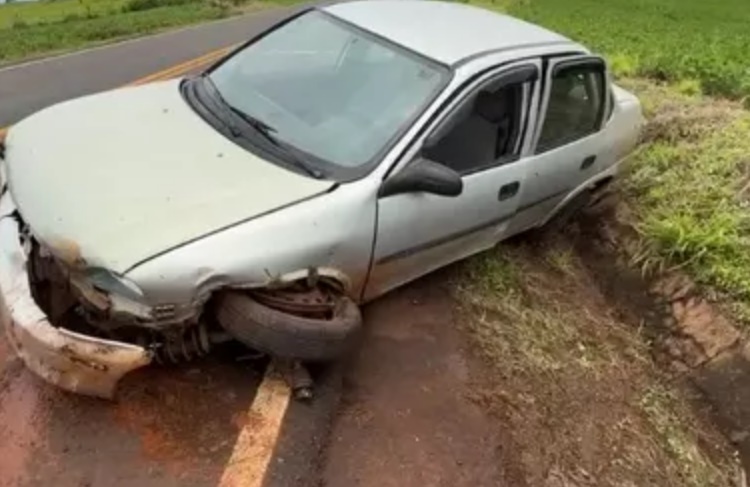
578 387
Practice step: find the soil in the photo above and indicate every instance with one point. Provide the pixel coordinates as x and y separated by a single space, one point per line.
454 386
407 416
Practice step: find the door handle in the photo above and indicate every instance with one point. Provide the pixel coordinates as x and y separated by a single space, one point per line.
588 162
508 190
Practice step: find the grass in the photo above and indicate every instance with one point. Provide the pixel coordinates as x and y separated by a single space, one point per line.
577 388
543 338
561 259
664 411
35 28
547 334
30 13
18 43
688 188
706 43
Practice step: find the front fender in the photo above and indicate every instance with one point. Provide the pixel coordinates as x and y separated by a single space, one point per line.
330 235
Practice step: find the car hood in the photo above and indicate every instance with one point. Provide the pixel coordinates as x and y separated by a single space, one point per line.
115 178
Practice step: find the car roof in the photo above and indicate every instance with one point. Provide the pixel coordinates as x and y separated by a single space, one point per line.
444 31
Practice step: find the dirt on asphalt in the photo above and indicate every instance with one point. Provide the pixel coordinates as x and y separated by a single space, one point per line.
170 426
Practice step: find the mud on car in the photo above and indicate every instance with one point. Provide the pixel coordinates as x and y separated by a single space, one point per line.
339 154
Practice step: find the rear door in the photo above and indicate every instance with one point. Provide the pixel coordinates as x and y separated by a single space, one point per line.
567 145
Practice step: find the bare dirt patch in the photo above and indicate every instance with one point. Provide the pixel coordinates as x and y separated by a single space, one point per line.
407 416
577 376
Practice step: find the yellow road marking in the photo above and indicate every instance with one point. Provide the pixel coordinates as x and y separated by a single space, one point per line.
182 68
255 445
170 72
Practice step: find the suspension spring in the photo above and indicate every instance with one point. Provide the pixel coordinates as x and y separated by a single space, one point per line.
193 343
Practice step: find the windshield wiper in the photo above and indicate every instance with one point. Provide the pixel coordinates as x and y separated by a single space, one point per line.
221 103
267 132
260 127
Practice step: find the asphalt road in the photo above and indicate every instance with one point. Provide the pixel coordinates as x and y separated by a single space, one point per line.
216 422
26 88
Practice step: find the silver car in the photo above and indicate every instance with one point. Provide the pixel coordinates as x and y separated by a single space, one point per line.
345 151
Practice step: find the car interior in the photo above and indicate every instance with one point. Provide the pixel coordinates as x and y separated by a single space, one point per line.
482 135
573 108
363 98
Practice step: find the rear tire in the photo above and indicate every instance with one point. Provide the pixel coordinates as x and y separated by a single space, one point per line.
286 335
567 213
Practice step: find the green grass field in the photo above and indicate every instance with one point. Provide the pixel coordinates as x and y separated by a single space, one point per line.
35 28
45 11
704 41
17 43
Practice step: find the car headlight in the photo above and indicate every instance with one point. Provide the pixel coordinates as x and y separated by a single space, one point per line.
113 284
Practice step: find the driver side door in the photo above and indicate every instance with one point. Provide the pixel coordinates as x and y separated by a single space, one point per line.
480 138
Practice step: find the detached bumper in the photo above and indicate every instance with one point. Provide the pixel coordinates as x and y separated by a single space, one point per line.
75 362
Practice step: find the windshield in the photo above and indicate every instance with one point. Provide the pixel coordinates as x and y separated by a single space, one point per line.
328 89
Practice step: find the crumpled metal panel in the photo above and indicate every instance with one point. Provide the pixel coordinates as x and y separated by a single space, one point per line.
72 361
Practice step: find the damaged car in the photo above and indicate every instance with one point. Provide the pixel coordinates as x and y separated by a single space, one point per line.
339 154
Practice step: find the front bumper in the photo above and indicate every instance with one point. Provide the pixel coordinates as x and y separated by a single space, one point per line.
70 360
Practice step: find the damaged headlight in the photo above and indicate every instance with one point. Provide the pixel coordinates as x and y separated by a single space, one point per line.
123 297
107 281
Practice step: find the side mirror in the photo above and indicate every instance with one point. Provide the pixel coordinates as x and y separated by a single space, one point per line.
425 176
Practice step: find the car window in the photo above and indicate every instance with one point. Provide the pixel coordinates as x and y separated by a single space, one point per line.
483 132
575 107
329 89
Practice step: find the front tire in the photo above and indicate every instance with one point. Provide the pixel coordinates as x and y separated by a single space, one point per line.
287 335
